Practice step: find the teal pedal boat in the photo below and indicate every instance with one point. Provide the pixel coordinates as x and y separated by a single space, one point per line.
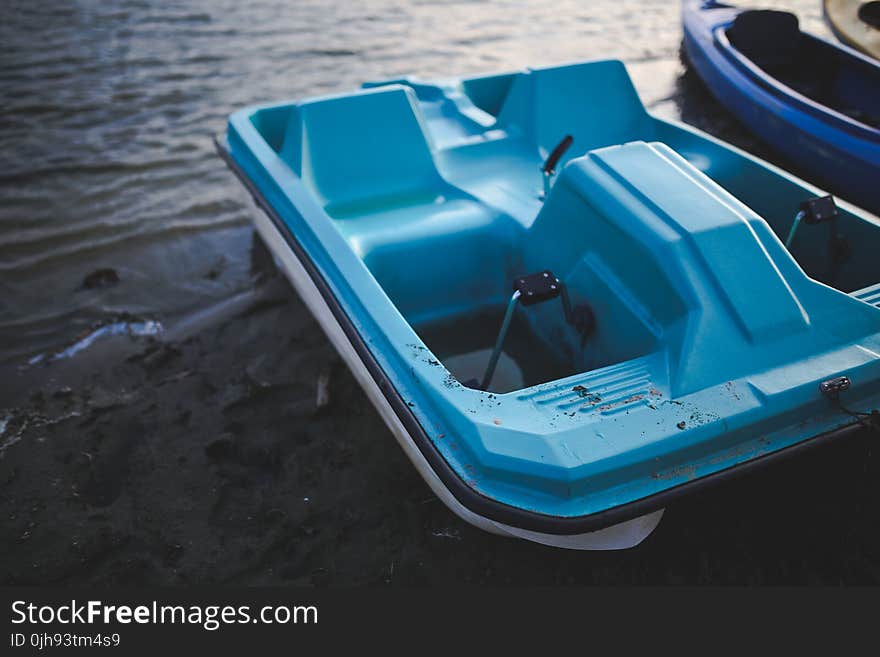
569 312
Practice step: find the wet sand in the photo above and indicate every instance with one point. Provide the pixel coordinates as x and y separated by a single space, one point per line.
204 458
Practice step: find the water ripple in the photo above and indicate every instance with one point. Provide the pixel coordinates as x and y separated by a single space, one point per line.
108 109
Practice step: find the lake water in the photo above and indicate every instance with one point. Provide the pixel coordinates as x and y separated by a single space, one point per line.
106 159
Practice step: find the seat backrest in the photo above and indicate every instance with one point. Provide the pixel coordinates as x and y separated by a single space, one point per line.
594 102
360 146
769 38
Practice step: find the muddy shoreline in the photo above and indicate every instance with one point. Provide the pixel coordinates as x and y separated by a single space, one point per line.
211 460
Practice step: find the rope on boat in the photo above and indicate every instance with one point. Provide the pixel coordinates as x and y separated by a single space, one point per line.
869 420
831 390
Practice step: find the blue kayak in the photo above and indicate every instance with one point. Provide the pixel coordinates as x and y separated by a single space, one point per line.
568 311
814 101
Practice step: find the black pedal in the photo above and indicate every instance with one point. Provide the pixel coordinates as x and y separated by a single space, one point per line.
819 209
537 288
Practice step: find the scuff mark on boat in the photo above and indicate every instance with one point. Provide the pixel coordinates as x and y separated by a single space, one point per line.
583 392
623 402
730 386
686 471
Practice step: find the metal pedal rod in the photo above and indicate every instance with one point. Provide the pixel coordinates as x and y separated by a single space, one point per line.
798 218
531 290
499 342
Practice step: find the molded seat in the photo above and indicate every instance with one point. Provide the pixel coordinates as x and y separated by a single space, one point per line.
596 103
359 148
646 230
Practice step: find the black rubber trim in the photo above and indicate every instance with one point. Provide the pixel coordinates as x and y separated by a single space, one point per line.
467 496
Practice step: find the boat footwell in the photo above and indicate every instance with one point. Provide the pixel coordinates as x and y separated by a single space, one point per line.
623 535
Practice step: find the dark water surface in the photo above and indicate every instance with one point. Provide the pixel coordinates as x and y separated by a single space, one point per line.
178 417
109 108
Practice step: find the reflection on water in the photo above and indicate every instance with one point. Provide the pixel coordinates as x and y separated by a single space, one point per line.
88 338
109 107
